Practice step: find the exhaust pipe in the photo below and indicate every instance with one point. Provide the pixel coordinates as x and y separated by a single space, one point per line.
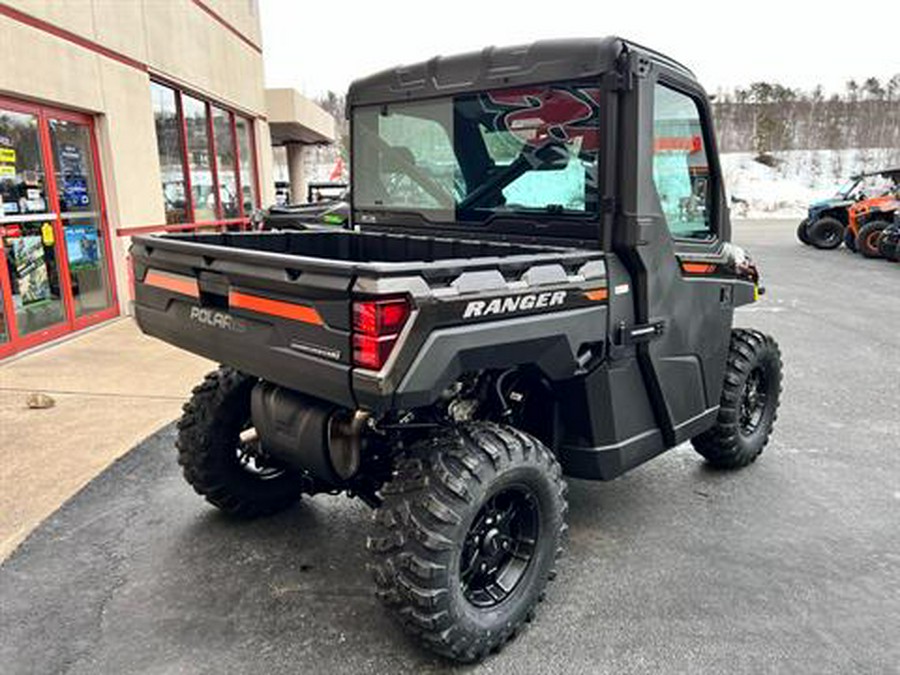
320 438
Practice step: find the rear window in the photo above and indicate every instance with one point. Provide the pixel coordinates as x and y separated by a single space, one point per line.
525 151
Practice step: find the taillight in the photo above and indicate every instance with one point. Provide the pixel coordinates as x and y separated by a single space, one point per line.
376 326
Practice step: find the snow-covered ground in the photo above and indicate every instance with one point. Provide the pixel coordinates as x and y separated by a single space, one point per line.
801 177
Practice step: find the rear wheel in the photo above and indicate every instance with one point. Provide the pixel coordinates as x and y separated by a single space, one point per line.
802 231
869 234
468 537
749 403
826 233
232 474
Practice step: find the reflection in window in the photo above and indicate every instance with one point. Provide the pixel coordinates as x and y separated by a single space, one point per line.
199 162
225 164
168 143
248 186
680 165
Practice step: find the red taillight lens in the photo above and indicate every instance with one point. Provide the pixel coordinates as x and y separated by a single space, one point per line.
372 352
380 317
376 325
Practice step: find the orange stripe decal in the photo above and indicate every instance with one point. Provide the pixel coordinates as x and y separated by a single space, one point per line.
285 310
172 282
597 294
698 268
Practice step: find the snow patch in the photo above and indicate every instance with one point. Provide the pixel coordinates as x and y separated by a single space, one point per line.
799 178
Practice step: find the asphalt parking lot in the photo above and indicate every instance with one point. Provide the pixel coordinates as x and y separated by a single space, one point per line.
792 565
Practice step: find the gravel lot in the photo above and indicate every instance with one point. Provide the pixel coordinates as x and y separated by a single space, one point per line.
792 565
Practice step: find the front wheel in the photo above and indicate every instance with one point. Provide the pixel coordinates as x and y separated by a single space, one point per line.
867 239
748 406
826 233
468 537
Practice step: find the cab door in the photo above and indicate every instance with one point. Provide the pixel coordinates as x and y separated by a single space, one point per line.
670 233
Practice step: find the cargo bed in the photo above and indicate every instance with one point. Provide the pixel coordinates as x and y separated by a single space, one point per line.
278 305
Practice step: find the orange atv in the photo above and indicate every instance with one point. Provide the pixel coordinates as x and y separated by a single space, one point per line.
866 221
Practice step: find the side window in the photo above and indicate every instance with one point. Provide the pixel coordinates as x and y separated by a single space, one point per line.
680 165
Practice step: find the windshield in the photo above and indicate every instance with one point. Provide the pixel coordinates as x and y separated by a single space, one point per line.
848 187
528 151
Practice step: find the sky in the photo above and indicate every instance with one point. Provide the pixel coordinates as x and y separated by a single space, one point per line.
319 46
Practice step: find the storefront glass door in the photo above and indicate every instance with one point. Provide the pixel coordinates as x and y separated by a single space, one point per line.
54 271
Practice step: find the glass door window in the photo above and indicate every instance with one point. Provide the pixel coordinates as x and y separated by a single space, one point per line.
27 227
80 213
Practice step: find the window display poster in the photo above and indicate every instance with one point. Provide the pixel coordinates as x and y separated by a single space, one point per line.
8 172
82 246
74 181
31 270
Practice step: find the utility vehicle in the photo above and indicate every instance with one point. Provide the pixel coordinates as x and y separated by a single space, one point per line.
868 218
539 283
326 206
826 224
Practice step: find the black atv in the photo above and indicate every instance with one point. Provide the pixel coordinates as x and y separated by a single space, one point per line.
539 283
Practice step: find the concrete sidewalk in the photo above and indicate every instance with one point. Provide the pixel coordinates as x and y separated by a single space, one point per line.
112 385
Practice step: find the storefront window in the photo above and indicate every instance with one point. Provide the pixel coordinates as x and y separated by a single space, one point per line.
199 162
228 191
248 186
221 171
171 160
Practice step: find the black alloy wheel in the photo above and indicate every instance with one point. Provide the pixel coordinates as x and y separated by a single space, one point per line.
499 546
748 405
753 401
468 537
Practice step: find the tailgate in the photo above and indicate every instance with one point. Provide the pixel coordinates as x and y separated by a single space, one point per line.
284 324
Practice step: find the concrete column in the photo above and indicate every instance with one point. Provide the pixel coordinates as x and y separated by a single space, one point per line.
296 174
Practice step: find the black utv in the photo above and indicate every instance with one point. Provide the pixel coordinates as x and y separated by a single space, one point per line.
326 205
539 283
